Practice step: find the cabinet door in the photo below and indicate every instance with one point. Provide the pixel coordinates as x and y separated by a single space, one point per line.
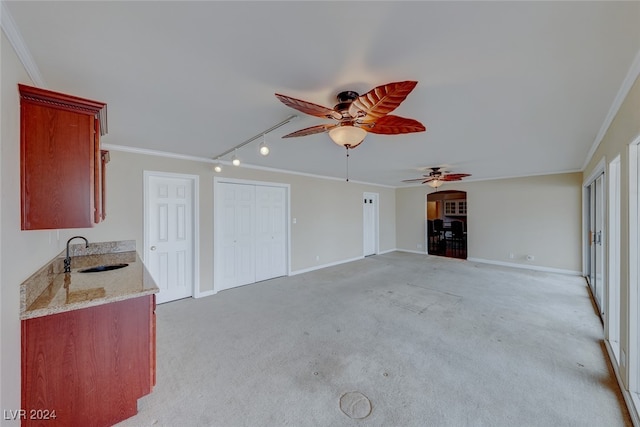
450 207
60 160
57 168
462 207
89 365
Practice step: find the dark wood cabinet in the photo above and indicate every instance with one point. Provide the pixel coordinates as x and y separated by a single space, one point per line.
89 366
61 162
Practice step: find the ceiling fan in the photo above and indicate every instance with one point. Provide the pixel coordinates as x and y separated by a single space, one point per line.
436 177
358 114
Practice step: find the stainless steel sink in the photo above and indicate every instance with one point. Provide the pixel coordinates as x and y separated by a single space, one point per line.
100 268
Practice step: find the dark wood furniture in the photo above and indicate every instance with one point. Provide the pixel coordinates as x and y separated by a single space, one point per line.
61 164
90 365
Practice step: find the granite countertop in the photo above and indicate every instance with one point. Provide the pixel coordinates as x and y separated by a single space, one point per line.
51 291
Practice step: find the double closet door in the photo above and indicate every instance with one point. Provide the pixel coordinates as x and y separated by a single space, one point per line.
250 233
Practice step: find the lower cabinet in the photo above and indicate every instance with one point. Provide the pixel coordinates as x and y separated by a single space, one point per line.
88 367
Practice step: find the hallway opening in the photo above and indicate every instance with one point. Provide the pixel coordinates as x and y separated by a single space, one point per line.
446 224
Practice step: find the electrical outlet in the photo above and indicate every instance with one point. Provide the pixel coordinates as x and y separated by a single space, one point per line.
530 257
419 245
512 255
317 257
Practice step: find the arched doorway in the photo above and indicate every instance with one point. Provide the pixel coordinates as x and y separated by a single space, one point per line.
446 224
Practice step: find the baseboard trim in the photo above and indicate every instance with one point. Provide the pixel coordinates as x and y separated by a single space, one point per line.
409 251
319 267
628 398
386 252
204 294
526 267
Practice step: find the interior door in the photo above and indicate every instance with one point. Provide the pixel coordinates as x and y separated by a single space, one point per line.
169 247
370 225
251 234
237 228
271 249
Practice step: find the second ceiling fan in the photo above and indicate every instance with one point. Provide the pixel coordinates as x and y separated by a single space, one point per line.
358 114
436 177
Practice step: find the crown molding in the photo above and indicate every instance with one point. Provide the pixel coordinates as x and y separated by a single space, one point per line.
10 29
159 153
148 152
627 83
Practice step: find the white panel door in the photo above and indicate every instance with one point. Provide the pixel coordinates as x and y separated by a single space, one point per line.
598 246
271 236
370 223
237 228
169 251
251 233
596 265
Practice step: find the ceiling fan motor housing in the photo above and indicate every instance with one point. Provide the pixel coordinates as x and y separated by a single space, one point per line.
347 96
344 102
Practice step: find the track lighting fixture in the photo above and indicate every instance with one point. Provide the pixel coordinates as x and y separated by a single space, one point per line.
264 149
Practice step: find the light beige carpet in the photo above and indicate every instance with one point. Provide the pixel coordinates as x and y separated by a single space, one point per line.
391 340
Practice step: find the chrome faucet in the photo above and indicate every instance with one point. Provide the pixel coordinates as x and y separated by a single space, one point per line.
67 260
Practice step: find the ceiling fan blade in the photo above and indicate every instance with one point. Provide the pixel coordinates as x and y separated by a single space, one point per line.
392 125
380 101
309 107
310 130
454 176
423 179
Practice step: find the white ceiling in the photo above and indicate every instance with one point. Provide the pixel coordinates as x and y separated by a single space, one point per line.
505 88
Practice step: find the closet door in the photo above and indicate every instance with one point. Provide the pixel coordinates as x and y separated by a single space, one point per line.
250 233
237 231
271 249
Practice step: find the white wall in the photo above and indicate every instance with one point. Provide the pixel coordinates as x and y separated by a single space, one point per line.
22 251
328 212
537 216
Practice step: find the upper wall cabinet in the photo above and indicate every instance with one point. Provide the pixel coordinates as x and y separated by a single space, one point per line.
455 207
61 164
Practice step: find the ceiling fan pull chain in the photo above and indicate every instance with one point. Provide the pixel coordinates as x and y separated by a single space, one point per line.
347 147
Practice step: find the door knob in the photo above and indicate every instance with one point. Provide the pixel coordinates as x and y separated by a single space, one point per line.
153 248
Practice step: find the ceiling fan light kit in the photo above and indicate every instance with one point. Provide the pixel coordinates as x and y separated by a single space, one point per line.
347 136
